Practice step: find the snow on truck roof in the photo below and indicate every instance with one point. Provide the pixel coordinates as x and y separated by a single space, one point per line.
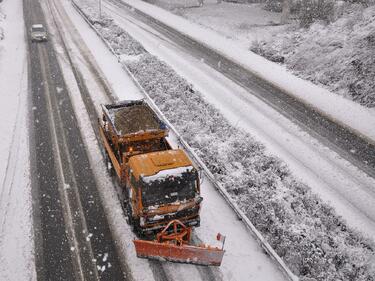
161 164
37 25
133 118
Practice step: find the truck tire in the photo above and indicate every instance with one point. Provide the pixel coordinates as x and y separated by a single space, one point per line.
129 215
109 165
134 223
137 228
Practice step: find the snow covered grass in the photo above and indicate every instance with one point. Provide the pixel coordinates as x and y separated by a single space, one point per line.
305 232
339 56
242 22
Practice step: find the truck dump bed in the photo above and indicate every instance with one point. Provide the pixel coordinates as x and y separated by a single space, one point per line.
133 118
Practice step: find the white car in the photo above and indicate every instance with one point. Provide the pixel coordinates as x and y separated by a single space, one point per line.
38 33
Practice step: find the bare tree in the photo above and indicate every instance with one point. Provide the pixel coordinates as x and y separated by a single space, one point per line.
285 12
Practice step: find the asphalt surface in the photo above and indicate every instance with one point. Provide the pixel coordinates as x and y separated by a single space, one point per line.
347 143
72 236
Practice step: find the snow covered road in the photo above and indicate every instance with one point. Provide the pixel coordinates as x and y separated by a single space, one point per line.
71 229
77 216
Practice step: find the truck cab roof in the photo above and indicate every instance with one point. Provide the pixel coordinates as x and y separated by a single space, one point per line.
152 164
37 25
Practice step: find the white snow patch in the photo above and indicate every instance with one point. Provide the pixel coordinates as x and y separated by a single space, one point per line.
162 175
16 234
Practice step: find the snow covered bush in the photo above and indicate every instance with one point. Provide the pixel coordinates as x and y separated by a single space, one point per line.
314 242
273 5
306 11
339 56
314 10
119 39
117 36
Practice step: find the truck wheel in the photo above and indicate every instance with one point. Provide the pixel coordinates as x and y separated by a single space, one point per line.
129 218
137 228
109 165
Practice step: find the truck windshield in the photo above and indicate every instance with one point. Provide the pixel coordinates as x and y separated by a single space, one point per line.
169 189
38 29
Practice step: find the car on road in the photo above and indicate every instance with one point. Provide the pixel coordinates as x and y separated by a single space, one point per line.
38 33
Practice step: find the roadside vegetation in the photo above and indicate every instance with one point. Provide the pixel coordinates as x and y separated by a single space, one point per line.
311 238
330 43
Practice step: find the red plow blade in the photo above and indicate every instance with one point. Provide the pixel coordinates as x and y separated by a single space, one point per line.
183 254
173 244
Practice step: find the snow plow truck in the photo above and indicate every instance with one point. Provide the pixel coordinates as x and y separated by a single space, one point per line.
159 186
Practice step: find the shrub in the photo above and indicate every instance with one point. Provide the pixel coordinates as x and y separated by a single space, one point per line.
313 10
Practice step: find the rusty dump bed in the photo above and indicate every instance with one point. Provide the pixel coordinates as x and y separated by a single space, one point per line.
132 117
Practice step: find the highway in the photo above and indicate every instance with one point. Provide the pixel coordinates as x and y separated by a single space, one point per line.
76 238
72 237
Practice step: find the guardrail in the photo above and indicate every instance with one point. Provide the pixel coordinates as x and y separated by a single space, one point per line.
241 215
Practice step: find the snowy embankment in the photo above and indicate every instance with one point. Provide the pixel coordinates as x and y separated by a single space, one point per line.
339 56
16 236
312 240
2 17
242 23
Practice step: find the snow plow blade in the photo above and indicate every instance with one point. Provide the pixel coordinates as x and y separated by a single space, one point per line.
183 254
175 247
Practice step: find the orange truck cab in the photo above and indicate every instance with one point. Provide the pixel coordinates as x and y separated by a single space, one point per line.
158 184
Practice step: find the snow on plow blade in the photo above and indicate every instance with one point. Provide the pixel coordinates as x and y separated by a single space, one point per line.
184 253
172 244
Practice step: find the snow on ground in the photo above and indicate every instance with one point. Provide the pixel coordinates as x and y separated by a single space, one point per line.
16 236
241 22
344 111
244 258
